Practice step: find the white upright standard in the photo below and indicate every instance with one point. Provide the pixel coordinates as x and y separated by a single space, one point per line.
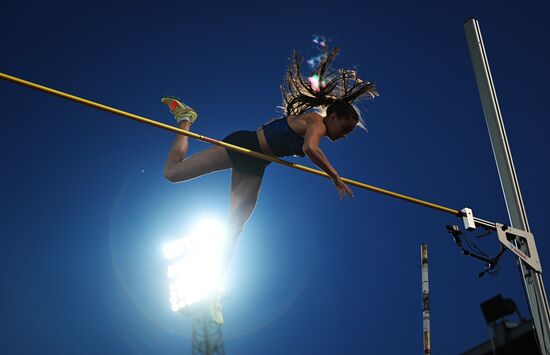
532 279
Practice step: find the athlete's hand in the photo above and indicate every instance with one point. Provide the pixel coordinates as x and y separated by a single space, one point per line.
343 190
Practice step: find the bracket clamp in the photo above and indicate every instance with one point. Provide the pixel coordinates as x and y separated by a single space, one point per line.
506 235
468 219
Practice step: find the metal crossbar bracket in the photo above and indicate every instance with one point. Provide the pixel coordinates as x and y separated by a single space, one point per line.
510 237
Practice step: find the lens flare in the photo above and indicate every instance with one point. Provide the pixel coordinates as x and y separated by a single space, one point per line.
314 82
196 267
320 40
320 43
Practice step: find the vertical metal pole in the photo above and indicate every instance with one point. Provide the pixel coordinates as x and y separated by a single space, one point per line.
425 299
534 287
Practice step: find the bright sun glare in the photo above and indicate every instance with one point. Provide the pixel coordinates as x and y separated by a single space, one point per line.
195 268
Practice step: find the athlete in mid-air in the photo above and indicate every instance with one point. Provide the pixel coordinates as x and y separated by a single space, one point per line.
317 107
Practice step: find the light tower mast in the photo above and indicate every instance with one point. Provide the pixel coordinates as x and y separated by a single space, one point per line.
207 336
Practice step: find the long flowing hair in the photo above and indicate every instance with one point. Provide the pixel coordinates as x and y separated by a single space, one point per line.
324 87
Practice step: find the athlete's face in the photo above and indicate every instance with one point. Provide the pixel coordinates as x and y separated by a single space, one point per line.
338 128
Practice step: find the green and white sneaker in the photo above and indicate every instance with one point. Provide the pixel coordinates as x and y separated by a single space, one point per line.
216 311
181 111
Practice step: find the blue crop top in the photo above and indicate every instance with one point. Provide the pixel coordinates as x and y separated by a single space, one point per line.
282 139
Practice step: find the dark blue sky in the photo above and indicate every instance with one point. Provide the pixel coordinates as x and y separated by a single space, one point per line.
86 209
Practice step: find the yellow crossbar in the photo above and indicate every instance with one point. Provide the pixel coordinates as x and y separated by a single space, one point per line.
223 144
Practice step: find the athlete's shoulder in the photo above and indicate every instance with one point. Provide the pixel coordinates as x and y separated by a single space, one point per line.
313 116
315 125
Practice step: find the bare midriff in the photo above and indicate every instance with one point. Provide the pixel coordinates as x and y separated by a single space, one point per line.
293 121
263 142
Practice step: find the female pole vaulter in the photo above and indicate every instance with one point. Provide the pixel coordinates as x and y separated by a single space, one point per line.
318 107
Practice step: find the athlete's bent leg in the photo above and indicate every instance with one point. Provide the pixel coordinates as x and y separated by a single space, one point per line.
178 169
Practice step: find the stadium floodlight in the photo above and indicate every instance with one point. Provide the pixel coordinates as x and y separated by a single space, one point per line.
196 264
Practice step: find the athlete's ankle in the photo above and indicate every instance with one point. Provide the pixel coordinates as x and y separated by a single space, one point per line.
185 125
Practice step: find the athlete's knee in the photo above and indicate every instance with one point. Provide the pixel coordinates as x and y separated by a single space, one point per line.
241 212
236 227
171 175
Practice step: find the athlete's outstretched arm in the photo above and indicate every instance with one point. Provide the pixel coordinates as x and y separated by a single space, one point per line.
315 129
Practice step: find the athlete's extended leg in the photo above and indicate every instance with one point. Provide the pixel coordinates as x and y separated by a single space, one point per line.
244 194
245 189
177 169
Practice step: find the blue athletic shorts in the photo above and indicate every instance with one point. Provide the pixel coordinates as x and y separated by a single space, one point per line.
242 162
